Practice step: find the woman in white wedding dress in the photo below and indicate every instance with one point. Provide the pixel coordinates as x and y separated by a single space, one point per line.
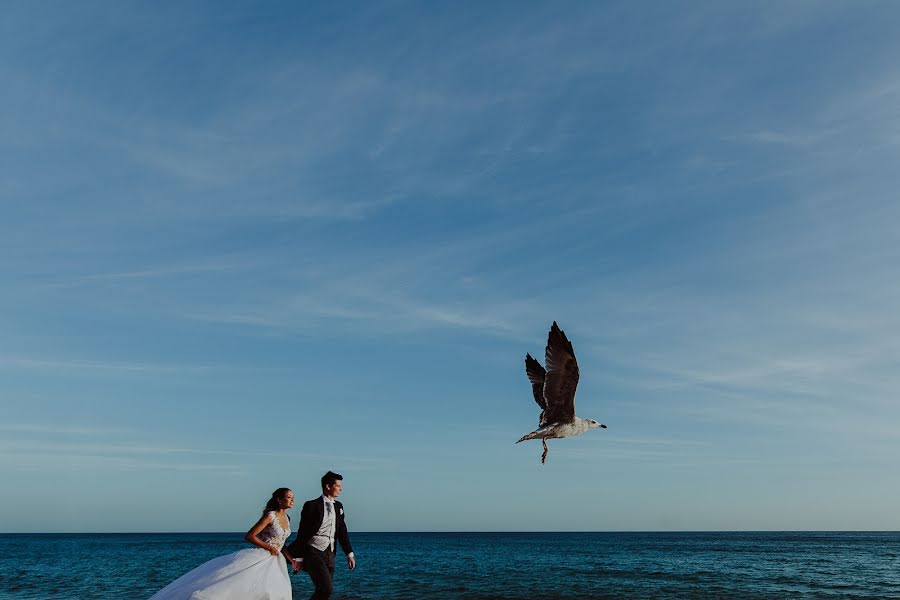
251 574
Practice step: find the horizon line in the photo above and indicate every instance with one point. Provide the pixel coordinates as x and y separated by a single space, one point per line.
471 532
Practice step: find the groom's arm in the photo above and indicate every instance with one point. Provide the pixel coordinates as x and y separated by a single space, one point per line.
343 538
295 549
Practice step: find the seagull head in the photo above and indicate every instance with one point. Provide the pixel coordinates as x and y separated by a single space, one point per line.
595 424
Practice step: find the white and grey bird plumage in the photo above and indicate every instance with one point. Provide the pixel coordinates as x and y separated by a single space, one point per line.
554 391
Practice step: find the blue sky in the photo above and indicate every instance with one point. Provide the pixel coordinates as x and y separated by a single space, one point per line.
241 245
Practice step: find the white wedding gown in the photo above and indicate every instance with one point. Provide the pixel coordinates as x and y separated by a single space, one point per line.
249 574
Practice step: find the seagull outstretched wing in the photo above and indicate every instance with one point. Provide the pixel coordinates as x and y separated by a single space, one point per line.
536 374
561 379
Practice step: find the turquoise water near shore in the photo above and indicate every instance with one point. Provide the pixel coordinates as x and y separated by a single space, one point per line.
496 566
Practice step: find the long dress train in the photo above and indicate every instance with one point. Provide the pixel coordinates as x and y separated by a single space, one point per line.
249 574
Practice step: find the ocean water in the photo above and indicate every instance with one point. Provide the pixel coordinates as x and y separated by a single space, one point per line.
507 566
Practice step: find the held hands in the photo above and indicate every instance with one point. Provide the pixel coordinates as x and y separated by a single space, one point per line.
297 565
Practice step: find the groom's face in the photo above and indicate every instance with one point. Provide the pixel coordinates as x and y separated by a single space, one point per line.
333 490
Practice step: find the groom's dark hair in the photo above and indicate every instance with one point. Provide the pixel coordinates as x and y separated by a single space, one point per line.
330 478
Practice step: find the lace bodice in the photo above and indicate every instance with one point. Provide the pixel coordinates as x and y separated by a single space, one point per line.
274 534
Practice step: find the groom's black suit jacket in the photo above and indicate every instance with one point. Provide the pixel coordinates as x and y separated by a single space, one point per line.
311 517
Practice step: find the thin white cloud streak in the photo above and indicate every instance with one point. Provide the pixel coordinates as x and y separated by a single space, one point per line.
74 461
662 456
22 362
30 454
62 429
165 271
663 442
108 448
788 138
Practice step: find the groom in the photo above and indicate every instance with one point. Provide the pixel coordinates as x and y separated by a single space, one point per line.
321 523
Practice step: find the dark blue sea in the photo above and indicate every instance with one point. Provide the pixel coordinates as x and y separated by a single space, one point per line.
508 566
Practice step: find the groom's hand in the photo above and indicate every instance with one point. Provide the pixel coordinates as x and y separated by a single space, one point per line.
297 566
351 562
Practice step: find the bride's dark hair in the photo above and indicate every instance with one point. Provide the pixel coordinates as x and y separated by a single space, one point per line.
274 502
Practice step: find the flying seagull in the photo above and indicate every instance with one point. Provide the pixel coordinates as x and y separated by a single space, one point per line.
554 391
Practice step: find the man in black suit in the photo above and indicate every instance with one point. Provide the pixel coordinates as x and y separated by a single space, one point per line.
321 523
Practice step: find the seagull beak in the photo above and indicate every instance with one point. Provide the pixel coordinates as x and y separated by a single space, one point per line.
602 426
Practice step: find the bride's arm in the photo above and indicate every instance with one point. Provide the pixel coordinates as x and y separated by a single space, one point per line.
250 536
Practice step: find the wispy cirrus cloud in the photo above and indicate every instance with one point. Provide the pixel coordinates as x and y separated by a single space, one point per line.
103 451
61 429
76 365
787 138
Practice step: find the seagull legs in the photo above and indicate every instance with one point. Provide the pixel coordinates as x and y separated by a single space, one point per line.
544 455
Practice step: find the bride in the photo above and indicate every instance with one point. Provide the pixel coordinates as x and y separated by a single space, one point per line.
253 573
